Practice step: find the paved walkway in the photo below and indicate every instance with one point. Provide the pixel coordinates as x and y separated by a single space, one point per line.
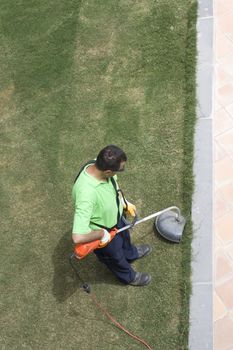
223 175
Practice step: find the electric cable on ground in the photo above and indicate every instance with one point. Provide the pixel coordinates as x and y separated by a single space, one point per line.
87 289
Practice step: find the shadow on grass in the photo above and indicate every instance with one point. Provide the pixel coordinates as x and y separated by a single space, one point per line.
65 280
162 239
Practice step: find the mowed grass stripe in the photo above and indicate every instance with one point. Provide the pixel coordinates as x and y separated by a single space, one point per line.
80 75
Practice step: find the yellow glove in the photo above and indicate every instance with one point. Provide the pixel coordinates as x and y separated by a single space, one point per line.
130 209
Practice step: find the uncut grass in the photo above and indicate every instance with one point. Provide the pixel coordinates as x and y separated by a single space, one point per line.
75 77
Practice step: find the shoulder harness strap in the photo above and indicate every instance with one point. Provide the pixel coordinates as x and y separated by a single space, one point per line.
117 196
89 162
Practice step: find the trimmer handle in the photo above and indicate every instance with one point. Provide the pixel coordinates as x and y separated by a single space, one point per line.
83 249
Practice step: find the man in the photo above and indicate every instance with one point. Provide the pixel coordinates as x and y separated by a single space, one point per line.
99 208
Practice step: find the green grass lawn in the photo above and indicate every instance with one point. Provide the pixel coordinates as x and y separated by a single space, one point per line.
76 76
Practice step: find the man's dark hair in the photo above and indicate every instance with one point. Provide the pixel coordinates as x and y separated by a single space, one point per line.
110 158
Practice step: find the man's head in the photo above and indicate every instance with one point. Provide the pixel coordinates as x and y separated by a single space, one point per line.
111 159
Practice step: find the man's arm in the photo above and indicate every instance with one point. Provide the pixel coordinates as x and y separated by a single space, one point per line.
88 237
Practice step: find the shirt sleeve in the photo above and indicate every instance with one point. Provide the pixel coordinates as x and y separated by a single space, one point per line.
82 216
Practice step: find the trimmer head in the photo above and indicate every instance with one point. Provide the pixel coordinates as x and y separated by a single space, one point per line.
170 225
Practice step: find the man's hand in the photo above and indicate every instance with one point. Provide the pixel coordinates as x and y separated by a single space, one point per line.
83 249
130 209
108 236
105 239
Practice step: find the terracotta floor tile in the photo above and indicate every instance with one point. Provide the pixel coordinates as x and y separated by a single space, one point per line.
223 175
217 31
227 63
221 76
225 21
231 316
217 99
217 105
226 141
227 194
223 171
219 308
222 121
217 244
223 46
223 266
219 153
219 9
222 6
224 228
225 94
229 109
225 292
223 334
230 36
220 206
229 251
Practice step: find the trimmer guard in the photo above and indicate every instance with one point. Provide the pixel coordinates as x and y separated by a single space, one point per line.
170 226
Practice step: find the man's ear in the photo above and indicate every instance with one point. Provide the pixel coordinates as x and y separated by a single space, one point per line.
108 172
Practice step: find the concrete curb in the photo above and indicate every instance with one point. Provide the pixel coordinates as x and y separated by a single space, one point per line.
201 302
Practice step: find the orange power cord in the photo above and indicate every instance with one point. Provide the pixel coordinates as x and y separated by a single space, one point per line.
87 289
117 324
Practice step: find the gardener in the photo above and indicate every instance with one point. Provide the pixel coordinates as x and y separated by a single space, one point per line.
99 207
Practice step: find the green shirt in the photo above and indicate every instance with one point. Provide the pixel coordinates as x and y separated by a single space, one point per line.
94 201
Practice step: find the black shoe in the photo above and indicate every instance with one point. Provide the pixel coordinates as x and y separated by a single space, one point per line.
143 250
141 279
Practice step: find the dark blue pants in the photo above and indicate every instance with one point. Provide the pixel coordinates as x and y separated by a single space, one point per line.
118 254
